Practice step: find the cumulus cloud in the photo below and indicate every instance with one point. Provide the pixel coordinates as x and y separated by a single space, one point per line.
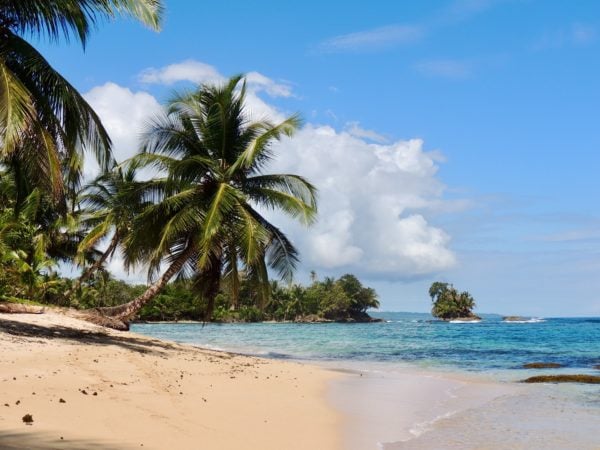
373 200
375 196
200 73
124 114
189 70
356 130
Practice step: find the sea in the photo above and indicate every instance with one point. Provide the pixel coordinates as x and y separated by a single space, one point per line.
433 384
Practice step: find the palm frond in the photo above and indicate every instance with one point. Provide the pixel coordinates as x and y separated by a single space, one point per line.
16 110
63 19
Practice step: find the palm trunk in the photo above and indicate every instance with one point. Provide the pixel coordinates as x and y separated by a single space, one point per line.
235 287
128 310
94 267
212 290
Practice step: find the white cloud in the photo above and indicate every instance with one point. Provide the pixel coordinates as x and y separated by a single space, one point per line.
375 196
445 68
258 82
124 114
372 204
356 130
200 73
401 34
190 70
374 39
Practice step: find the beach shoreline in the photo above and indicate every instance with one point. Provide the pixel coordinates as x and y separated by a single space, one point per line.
88 387
123 390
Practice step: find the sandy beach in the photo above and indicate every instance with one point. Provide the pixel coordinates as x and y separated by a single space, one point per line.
87 387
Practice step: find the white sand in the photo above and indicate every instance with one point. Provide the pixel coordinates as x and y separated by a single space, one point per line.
142 392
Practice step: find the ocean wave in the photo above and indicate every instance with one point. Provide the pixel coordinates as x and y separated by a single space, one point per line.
465 321
532 320
419 428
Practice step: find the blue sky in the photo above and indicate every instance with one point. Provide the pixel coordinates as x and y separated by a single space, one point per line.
499 196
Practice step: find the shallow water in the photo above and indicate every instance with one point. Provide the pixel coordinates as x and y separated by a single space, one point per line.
437 385
406 338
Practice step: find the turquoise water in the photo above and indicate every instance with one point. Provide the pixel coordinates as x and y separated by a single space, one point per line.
494 413
405 338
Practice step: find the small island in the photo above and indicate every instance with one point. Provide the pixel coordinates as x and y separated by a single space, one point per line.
451 305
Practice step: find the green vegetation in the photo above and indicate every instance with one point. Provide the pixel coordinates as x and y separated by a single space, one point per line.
46 126
450 304
200 222
344 299
203 217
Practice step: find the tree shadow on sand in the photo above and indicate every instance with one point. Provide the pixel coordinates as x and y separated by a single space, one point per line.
130 342
32 440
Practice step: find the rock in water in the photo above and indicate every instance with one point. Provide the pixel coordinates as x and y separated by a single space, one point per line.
588 379
542 365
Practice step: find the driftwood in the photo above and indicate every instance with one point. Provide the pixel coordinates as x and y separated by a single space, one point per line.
17 308
92 316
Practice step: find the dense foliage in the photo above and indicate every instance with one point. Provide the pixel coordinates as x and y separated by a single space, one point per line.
46 125
449 303
200 222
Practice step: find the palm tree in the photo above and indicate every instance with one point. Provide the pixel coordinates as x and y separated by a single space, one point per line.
110 204
206 224
45 124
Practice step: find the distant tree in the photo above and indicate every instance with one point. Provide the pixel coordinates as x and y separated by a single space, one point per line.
448 303
361 298
335 304
436 289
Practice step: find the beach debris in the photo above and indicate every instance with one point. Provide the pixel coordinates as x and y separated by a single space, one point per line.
62 400
18 402
95 394
588 379
15 308
6 404
28 419
83 391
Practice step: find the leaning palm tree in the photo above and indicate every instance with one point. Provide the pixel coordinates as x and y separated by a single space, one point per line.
206 224
44 122
110 204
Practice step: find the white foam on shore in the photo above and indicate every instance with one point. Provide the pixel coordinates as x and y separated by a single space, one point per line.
428 425
564 419
532 320
399 405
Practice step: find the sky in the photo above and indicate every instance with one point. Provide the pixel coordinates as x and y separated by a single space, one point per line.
451 140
